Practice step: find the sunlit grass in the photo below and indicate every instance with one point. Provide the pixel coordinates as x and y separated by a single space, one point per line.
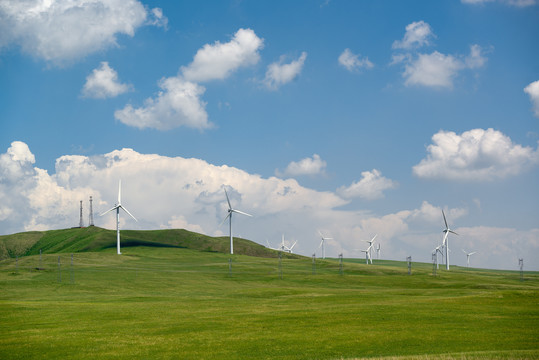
179 303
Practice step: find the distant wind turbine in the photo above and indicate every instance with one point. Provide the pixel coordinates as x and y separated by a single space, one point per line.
117 207
378 251
468 256
322 244
370 246
445 242
229 216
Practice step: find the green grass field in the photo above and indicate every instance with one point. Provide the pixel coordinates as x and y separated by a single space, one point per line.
175 295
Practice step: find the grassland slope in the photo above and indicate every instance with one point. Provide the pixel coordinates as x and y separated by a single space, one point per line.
94 239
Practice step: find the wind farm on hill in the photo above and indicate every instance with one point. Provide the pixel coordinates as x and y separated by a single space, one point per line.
178 294
174 293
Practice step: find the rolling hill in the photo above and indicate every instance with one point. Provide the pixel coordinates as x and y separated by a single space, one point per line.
94 239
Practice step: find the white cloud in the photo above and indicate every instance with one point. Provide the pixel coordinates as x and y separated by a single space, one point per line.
436 70
103 83
474 155
165 192
417 34
279 74
353 62
218 61
371 186
533 91
307 166
63 31
439 70
178 104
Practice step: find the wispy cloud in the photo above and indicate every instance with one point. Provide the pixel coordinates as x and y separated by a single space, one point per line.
353 62
418 34
280 73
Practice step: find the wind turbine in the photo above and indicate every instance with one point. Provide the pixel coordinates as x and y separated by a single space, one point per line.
445 242
229 216
437 251
366 256
378 251
468 256
322 244
117 207
370 246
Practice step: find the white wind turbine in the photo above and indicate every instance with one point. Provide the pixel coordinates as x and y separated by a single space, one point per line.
322 244
437 251
370 246
468 256
229 216
117 207
445 242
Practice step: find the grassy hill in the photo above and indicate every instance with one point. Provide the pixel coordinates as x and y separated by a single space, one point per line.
164 299
97 239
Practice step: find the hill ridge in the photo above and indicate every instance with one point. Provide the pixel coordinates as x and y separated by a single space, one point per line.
93 238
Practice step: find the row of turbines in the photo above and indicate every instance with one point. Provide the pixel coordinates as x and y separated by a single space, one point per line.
442 249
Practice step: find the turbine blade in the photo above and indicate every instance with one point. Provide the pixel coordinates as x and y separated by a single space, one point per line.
114 208
445 220
119 191
228 200
222 222
321 242
451 231
374 237
464 251
240 212
124 209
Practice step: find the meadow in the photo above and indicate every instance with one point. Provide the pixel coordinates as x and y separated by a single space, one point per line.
168 299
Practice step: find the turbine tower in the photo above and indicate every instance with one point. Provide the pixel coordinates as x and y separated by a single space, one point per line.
117 207
445 242
81 223
468 256
91 223
229 216
322 244
378 251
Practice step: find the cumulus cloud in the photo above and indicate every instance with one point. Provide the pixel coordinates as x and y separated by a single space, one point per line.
307 166
217 61
371 186
353 62
169 192
103 83
418 34
439 70
177 104
435 69
475 155
63 31
279 74
533 91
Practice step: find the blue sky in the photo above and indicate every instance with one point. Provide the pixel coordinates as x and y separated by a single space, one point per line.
353 118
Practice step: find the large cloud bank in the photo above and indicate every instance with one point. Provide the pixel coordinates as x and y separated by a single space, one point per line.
63 31
167 192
